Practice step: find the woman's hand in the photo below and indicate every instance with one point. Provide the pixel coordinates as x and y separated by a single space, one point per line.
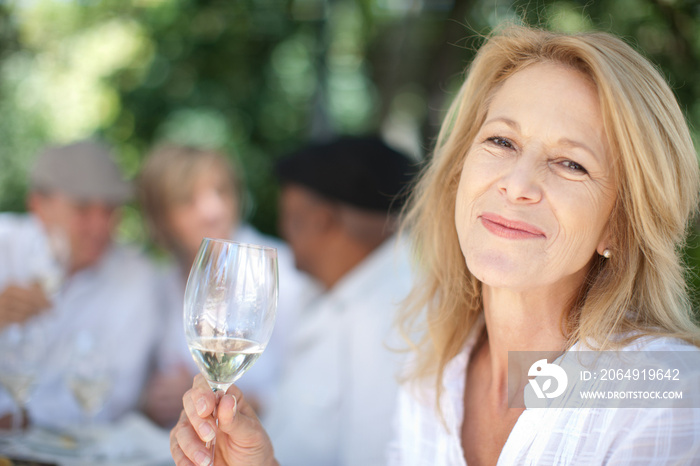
240 438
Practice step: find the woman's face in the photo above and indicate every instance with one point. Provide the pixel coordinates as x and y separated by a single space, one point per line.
208 211
537 189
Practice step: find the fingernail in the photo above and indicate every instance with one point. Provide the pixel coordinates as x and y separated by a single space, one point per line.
202 459
206 432
235 406
201 406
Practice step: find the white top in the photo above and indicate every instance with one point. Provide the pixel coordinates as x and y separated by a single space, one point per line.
551 436
108 309
262 378
338 391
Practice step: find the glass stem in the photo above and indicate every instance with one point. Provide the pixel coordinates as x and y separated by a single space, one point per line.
212 443
17 419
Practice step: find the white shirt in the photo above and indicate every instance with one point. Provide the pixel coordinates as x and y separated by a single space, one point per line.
109 308
550 436
339 387
262 378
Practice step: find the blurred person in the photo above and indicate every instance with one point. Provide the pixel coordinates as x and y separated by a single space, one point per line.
551 219
62 273
188 194
338 214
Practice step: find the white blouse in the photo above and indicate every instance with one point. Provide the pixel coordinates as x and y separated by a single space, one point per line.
552 436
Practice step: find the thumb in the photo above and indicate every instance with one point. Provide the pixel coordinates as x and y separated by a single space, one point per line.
227 410
238 420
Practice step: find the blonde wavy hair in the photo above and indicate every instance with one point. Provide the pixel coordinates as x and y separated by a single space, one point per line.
168 176
641 289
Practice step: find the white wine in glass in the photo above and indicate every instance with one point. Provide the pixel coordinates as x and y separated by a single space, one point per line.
22 350
90 392
229 308
223 360
88 376
18 385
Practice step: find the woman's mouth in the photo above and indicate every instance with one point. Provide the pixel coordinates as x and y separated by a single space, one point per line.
510 229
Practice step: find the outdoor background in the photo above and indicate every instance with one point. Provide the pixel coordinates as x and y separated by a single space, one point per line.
260 78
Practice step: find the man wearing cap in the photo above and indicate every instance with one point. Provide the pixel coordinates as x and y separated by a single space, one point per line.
81 296
337 209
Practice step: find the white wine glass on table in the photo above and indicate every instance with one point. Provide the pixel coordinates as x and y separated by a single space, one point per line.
230 307
88 376
21 352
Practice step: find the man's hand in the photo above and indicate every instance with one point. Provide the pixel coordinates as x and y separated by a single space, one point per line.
240 438
18 304
163 400
7 421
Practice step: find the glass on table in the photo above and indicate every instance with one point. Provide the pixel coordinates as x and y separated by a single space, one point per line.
88 376
22 350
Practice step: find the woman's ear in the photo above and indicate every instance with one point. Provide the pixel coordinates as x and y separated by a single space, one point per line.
604 243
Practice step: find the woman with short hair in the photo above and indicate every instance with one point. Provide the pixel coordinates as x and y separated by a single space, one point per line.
187 194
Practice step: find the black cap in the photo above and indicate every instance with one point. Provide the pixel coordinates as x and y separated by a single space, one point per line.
363 172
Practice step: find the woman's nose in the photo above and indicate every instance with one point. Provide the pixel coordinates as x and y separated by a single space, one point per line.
522 181
210 205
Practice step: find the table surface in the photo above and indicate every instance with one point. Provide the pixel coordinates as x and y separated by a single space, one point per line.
132 441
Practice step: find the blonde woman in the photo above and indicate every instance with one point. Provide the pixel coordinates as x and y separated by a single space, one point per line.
549 219
188 194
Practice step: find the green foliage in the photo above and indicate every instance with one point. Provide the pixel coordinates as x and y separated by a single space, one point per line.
259 78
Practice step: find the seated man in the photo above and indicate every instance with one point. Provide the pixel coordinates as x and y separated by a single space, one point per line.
87 303
338 213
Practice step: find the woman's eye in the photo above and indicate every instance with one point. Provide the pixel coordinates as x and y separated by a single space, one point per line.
499 141
573 166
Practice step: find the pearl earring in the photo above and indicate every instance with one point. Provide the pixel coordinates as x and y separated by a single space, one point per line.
607 254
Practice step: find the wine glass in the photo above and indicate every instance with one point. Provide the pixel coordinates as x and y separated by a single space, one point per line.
51 269
229 309
88 377
22 349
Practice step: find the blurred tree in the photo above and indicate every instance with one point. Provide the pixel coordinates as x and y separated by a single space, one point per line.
260 78
18 129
